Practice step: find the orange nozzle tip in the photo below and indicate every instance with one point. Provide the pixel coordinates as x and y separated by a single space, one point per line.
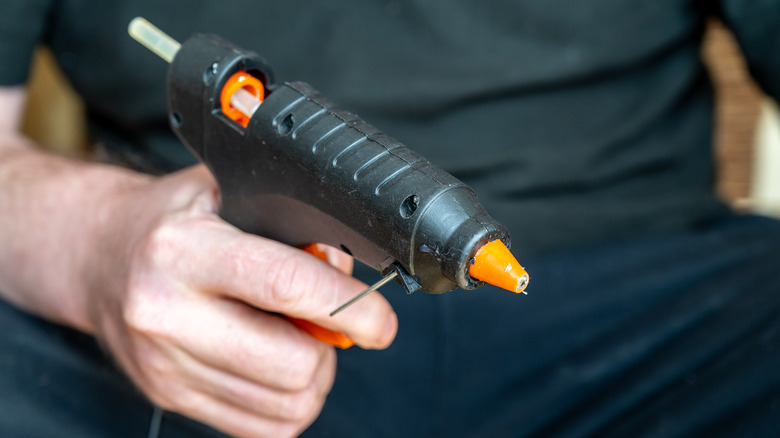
494 264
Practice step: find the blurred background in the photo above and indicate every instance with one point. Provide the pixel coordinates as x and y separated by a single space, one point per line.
747 137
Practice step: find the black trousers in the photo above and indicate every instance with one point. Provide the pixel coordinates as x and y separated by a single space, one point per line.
667 335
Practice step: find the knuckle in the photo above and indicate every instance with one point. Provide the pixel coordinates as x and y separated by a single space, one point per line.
287 283
144 315
187 402
237 258
137 317
171 396
301 406
292 408
303 365
158 378
155 366
161 247
152 282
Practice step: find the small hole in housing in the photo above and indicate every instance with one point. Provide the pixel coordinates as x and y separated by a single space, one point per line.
409 206
211 73
176 120
286 125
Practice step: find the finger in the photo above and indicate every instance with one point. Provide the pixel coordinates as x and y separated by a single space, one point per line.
234 420
263 400
278 278
167 374
247 342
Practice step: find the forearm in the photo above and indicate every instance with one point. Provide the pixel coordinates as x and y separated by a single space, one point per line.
53 213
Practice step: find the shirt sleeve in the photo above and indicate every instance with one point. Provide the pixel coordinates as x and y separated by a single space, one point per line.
756 26
22 26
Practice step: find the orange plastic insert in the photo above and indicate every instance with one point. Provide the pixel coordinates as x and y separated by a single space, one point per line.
240 79
494 264
320 333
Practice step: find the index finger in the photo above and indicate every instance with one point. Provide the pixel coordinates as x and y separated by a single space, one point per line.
278 278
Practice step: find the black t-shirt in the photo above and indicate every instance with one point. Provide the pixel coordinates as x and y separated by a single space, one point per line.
573 121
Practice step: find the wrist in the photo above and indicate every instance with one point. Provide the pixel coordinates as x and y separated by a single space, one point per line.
46 242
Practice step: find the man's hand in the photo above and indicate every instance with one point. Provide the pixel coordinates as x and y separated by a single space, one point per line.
186 303
182 300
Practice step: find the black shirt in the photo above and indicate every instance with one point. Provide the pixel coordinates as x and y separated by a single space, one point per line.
573 121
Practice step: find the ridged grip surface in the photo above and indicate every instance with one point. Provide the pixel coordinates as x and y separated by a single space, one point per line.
306 171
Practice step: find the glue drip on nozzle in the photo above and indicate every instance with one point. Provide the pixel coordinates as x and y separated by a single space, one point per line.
494 264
